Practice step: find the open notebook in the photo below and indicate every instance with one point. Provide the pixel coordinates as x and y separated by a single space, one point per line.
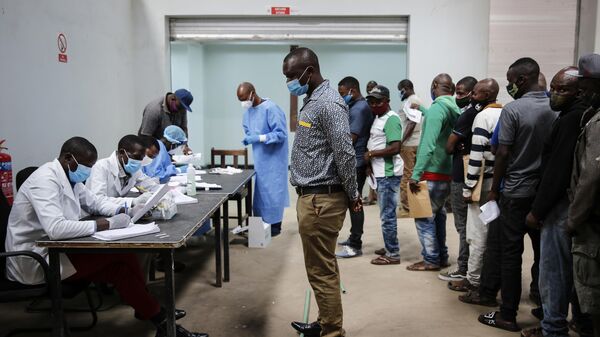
127 232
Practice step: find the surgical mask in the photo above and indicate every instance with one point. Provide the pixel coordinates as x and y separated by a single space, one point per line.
559 102
175 150
80 174
348 97
512 89
380 109
247 104
132 166
146 161
401 94
296 88
432 95
463 102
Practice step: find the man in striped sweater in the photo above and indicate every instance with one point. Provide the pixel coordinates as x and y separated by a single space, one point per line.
481 161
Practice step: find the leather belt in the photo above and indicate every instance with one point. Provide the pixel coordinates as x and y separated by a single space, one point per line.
321 189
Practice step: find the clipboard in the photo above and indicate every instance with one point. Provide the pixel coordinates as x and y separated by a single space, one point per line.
419 204
153 201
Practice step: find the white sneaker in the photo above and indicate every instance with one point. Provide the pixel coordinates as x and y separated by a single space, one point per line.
348 252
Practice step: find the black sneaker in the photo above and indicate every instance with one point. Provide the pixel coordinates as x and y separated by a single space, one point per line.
450 276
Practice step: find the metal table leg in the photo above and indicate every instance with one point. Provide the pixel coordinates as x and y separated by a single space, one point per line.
59 328
167 257
217 220
226 241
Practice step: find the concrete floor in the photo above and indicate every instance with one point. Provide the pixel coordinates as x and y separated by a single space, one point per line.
268 286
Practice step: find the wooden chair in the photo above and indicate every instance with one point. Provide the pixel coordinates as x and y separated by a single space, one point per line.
246 192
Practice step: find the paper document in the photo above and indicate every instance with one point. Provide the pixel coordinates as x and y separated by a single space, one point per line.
182 179
187 159
229 170
412 114
128 232
419 204
208 186
489 212
182 199
372 182
151 202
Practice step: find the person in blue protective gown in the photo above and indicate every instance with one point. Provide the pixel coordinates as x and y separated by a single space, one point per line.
265 128
161 166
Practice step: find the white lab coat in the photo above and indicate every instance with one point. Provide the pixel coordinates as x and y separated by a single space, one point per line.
104 179
47 205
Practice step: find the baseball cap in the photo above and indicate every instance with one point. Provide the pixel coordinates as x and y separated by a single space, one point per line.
589 67
379 92
185 98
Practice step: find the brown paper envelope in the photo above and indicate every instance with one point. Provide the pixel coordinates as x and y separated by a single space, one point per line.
476 193
419 204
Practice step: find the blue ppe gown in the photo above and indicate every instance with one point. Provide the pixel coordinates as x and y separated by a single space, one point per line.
270 160
161 166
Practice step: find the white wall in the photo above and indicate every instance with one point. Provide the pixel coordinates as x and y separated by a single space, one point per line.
45 102
445 35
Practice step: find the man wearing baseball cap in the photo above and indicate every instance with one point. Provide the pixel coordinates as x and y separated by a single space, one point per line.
170 109
584 213
385 166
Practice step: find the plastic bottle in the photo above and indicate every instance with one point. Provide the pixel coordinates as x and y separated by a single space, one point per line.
190 187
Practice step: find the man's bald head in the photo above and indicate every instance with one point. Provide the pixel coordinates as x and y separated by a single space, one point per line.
302 57
486 91
442 85
245 91
563 89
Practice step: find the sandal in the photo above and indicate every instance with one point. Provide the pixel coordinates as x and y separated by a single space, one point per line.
423 266
385 260
493 319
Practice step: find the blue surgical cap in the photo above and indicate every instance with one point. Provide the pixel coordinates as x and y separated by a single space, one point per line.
175 134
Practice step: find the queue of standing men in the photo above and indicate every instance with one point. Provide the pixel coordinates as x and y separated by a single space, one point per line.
535 156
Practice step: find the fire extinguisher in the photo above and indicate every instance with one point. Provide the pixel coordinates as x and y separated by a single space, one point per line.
6 173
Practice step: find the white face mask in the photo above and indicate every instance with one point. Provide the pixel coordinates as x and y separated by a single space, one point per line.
146 161
247 104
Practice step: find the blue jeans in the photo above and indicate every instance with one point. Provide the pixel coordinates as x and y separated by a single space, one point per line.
556 271
387 197
432 231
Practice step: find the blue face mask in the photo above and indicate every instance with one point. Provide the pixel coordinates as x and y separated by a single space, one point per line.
348 98
133 165
296 88
80 174
432 95
401 94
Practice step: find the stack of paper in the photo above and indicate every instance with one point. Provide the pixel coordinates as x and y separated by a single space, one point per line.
182 180
129 232
208 186
182 199
229 170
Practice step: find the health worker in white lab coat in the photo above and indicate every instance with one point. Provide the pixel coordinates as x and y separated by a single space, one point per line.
265 128
50 203
117 174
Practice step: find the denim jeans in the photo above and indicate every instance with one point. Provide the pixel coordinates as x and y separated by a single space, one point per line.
432 231
459 211
357 219
387 197
556 271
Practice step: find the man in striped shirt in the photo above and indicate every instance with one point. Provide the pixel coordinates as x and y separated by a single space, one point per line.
481 161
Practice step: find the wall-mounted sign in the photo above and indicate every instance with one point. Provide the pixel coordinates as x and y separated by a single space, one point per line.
62 48
281 11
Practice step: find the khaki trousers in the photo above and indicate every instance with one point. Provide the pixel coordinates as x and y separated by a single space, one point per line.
320 218
409 156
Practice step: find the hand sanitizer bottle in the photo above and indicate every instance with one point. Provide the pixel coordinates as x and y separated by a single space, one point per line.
190 187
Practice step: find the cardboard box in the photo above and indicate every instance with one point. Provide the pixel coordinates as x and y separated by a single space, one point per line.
259 233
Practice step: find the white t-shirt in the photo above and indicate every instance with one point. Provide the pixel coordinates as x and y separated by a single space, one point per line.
385 130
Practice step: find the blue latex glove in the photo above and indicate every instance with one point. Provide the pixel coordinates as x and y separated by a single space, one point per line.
251 139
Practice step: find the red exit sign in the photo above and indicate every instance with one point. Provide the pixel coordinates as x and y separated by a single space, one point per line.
281 11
